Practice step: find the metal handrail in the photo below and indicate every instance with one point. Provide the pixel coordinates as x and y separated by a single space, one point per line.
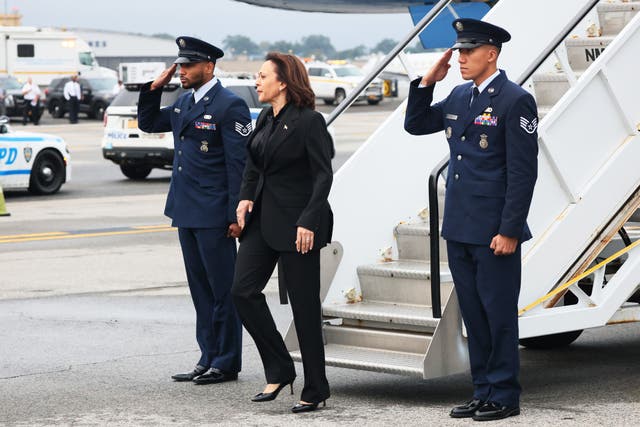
426 20
434 233
434 218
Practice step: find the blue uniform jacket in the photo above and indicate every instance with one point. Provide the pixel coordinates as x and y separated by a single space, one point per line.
209 153
493 164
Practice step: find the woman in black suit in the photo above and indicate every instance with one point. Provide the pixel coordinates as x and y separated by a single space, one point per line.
285 217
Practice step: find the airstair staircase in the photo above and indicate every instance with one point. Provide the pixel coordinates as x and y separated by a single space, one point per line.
378 313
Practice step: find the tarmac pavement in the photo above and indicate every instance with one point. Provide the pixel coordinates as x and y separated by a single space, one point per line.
106 359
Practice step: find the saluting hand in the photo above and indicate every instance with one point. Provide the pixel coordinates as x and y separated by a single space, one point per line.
439 70
503 245
243 207
164 78
304 240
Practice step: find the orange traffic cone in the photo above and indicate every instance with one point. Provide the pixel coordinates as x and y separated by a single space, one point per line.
3 208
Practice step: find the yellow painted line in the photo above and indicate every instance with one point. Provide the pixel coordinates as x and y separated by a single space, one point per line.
146 227
85 235
579 277
15 236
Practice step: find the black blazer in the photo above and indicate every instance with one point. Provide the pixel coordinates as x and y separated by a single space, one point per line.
291 189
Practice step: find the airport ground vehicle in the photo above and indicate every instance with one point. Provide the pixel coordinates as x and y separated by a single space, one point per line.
36 161
138 152
139 72
45 54
97 94
332 83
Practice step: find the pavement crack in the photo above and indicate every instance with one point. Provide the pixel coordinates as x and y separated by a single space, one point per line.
116 359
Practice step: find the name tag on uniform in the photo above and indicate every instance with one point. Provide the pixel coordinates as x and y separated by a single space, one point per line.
486 119
451 117
205 125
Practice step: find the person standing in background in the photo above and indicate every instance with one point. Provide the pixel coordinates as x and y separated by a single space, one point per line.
73 95
31 93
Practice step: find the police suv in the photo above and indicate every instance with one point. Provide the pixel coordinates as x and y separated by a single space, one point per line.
35 161
138 152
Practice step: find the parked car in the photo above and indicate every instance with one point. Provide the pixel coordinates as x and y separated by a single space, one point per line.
38 162
13 99
333 82
138 152
97 94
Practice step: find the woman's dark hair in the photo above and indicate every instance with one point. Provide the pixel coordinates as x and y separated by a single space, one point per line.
290 71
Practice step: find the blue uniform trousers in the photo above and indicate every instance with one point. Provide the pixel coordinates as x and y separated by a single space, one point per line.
488 287
209 258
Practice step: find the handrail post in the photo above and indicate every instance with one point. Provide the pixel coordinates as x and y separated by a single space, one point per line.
434 238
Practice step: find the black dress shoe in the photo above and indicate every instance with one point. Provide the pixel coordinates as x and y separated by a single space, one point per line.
265 397
215 375
467 410
306 407
198 370
494 411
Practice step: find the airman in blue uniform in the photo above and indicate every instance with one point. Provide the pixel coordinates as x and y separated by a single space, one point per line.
491 126
210 127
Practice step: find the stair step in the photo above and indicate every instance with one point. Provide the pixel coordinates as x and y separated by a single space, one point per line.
550 87
614 16
413 242
402 282
391 362
398 314
543 110
380 339
583 51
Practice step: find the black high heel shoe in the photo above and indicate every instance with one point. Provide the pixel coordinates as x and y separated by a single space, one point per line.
266 397
307 407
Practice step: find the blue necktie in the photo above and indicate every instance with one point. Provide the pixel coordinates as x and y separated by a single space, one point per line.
474 95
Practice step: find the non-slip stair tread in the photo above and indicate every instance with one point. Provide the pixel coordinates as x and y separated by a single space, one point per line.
393 362
618 7
383 312
413 229
588 41
405 269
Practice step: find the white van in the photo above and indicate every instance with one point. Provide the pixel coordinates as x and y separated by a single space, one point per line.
44 54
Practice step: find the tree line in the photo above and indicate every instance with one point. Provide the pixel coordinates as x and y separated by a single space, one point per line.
316 45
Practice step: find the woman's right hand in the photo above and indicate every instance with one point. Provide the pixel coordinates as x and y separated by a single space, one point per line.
243 207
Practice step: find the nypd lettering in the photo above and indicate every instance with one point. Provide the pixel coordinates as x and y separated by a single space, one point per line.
243 130
529 126
8 155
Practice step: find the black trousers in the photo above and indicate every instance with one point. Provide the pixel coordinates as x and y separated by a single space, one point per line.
74 107
488 287
30 112
209 258
255 264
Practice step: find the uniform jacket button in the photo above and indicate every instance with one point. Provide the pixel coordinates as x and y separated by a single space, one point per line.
459 157
182 138
456 176
462 138
179 168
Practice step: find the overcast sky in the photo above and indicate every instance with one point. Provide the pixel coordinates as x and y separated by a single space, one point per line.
212 20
